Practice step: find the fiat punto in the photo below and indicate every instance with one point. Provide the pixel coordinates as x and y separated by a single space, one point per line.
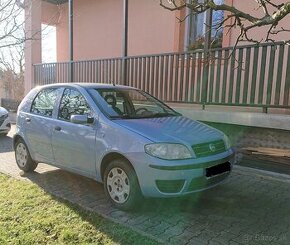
121 136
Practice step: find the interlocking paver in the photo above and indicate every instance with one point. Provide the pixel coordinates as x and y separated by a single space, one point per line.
250 208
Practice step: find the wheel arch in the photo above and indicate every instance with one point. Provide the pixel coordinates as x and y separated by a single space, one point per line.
16 137
112 156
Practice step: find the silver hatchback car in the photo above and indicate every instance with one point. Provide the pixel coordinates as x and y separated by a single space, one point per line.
121 136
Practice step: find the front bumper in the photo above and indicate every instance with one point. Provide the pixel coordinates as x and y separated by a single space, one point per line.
162 178
5 126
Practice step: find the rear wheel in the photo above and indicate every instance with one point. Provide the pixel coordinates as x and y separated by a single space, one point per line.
23 158
121 185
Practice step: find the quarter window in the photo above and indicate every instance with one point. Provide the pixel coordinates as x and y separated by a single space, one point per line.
44 102
73 103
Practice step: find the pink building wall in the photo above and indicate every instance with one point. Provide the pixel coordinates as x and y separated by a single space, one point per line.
33 16
98 29
152 29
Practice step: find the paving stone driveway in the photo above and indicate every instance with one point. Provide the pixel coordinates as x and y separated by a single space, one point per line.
251 208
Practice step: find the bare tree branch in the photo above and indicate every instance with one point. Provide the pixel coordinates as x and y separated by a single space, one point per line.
244 21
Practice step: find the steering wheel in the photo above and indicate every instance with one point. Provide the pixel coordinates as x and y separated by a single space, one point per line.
141 109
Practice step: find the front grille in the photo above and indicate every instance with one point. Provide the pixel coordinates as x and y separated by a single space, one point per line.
218 169
170 186
209 148
198 184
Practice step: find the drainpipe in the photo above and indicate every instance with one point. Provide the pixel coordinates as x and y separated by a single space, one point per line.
125 42
208 23
71 49
207 45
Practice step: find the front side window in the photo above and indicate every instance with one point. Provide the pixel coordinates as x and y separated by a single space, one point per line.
72 103
44 102
197 29
129 104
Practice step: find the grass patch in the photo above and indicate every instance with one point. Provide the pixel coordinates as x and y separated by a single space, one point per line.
28 215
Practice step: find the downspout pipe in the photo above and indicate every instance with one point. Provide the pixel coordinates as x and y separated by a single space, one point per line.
207 46
125 42
71 40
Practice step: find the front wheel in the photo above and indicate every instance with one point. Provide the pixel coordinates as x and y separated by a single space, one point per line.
23 158
121 185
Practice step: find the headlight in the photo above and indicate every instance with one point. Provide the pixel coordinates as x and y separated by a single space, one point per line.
227 142
168 151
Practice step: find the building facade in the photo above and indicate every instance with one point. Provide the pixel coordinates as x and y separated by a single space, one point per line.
98 30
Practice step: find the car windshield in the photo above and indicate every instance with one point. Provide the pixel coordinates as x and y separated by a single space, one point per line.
119 103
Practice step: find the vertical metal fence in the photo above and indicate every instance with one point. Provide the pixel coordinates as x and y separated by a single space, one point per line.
251 75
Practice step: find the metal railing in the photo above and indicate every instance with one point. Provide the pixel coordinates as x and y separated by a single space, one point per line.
250 75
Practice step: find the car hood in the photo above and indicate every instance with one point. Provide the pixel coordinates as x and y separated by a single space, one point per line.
3 111
172 129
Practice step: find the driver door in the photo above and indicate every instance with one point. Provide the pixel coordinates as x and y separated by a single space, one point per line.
74 145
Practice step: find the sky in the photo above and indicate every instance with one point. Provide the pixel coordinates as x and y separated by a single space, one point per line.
11 14
48 44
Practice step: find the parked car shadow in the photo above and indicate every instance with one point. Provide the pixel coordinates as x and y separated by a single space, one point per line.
6 144
88 193
237 204
75 192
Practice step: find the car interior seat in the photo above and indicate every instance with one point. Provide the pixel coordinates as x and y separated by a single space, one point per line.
112 101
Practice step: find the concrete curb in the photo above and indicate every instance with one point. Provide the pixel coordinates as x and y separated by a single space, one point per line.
263 173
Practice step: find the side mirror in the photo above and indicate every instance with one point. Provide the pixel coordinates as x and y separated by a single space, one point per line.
81 119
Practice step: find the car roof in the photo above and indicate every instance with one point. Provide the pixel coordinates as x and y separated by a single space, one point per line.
87 85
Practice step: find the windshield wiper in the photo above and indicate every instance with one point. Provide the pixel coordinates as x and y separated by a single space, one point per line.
163 114
156 115
123 117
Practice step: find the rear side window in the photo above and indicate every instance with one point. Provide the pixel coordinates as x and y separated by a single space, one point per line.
73 103
44 102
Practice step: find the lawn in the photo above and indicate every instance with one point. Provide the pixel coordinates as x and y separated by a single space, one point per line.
28 215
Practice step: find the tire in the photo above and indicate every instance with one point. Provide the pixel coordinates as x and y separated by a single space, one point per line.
121 185
23 158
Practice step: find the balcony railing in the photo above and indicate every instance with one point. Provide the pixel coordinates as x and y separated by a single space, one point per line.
251 75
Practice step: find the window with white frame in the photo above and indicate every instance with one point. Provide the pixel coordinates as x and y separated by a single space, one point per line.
197 29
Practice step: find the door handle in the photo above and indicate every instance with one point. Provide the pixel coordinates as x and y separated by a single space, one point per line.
27 119
57 128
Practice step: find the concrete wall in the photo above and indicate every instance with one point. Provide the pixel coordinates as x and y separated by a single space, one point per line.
244 116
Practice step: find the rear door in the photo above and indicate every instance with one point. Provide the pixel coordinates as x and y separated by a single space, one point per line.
74 145
38 124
